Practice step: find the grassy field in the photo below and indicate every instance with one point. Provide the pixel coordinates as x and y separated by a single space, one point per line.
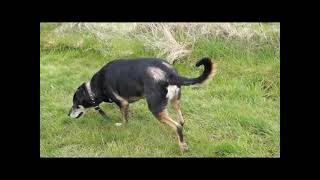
236 115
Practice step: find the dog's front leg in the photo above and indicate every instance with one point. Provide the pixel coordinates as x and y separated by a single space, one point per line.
124 108
123 105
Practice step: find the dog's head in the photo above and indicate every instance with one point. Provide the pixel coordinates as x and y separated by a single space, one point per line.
81 101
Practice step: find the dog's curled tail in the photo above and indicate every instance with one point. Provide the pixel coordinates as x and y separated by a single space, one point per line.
208 73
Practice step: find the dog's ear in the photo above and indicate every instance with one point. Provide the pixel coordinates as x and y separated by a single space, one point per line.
84 88
80 93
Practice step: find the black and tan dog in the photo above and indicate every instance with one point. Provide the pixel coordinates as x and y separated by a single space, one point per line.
126 81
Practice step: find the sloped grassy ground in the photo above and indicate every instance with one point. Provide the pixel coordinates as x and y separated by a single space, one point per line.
235 115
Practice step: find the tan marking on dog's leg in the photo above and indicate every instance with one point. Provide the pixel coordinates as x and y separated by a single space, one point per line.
164 118
124 107
118 97
176 106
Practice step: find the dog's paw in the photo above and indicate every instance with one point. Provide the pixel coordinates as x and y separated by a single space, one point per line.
184 146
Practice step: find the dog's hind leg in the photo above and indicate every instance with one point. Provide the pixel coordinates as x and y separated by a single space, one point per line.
164 118
157 106
176 106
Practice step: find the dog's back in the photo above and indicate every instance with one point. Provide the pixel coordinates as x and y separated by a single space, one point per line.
130 78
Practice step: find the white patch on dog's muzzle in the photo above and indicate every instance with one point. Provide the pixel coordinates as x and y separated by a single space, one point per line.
76 112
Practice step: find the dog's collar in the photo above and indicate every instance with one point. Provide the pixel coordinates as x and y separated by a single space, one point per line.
91 94
96 106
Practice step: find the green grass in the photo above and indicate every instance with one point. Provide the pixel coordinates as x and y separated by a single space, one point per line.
235 115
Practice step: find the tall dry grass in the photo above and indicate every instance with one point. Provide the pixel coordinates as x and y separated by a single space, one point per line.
176 40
